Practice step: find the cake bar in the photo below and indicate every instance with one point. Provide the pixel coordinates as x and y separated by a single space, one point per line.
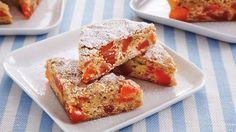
155 65
103 46
107 96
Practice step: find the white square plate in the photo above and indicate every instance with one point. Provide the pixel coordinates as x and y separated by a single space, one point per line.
158 11
45 18
26 67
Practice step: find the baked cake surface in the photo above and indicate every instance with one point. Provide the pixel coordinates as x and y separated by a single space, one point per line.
155 65
203 10
108 96
5 15
103 46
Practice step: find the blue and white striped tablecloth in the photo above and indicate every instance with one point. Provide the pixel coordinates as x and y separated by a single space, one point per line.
211 109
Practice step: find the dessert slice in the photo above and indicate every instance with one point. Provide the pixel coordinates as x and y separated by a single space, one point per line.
27 6
5 15
203 10
156 65
103 46
108 96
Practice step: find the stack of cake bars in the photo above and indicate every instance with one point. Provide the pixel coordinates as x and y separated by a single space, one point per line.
93 86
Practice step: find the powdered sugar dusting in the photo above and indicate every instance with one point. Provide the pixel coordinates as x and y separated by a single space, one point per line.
98 34
66 68
111 77
158 53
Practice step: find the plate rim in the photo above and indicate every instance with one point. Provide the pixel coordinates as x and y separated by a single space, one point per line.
182 25
65 126
32 31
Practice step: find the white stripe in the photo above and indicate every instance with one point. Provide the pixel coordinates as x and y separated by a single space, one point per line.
140 126
78 13
165 121
211 86
229 65
34 118
118 9
181 45
98 10
4 50
191 118
160 33
56 128
11 108
189 104
13 100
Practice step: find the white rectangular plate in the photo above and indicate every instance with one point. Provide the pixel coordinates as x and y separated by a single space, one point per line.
26 67
158 11
45 18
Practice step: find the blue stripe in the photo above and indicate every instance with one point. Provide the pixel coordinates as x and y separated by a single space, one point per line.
108 9
203 113
5 87
6 82
46 123
169 37
18 42
223 86
1 40
128 13
22 113
67 16
126 129
148 21
152 123
233 50
177 110
88 12
41 37
178 118
205 122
